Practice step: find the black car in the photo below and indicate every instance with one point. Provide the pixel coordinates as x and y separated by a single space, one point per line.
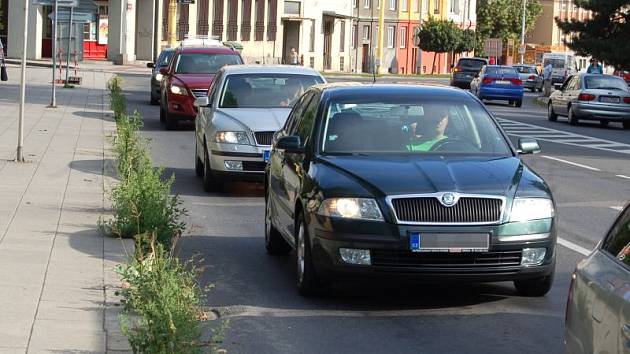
416 181
156 78
465 70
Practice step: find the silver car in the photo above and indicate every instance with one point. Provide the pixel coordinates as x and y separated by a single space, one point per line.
235 123
598 308
532 80
605 98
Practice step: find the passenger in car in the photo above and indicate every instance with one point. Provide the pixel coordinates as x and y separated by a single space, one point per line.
430 130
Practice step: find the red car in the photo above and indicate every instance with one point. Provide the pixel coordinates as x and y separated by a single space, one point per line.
188 75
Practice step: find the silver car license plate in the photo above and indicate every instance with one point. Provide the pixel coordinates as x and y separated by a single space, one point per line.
609 99
446 242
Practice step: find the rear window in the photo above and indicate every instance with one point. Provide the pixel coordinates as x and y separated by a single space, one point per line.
605 83
203 63
555 63
471 64
500 70
525 69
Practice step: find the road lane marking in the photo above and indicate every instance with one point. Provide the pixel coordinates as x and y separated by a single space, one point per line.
574 247
623 176
571 163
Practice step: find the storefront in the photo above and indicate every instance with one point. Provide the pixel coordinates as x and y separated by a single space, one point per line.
95 33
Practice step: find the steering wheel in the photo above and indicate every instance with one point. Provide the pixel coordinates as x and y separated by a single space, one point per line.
454 145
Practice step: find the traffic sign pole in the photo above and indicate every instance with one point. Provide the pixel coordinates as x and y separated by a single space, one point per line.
69 42
20 152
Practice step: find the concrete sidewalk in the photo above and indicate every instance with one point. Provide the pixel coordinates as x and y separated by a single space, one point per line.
56 270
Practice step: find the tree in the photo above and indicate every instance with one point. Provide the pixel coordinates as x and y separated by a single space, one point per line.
606 36
467 41
438 36
503 18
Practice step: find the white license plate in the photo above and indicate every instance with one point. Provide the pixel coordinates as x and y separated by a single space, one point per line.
502 82
444 242
266 154
609 99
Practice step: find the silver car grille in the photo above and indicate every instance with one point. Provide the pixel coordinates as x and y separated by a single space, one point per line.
200 92
428 210
264 138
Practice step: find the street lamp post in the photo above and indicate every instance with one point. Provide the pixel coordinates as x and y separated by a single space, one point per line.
20 153
53 99
522 48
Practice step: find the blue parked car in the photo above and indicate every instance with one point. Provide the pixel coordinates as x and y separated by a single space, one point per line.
498 82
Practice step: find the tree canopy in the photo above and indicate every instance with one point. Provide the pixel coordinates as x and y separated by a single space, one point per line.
606 36
439 36
503 18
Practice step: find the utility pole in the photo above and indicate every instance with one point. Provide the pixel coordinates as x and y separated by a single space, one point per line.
172 23
419 65
379 49
53 99
20 153
69 43
522 48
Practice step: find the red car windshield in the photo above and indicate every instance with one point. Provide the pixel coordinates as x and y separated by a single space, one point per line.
204 63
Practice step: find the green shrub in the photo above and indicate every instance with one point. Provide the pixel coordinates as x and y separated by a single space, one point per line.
118 102
162 305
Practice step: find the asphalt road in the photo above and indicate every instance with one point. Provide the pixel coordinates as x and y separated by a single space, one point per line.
586 167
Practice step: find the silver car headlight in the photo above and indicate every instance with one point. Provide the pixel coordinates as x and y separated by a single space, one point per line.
351 208
158 77
525 209
232 137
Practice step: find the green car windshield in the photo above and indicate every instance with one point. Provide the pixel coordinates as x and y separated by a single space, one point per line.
382 125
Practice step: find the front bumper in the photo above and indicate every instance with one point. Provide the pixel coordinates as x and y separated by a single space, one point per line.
597 110
391 256
182 107
250 157
461 81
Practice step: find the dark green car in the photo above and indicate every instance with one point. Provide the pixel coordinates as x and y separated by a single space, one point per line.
411 181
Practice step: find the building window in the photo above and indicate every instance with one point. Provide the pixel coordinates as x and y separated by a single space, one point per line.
232 25
366 4
246 19
366 32
342 36
272 27
436 7
404 5
341 63
376 34
203 27
415 5
259 15
311 42
292 7
425 6
403 37
454 6
353 36
354 4
391 37
392 4
312 62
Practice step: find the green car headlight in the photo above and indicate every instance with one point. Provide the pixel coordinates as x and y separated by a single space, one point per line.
526 209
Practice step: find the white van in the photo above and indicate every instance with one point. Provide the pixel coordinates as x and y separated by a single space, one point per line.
563 64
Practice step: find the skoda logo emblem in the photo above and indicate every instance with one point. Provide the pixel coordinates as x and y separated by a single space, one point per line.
448 199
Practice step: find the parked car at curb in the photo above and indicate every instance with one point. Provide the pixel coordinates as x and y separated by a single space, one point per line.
597 316
465 70
415 182
246 105
498 82
156 78
188 76
605 98
532 80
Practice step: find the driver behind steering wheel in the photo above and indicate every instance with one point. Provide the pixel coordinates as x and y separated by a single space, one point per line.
430 130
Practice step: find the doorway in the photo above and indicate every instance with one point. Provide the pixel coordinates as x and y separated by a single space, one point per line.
291 35
365 58
328 30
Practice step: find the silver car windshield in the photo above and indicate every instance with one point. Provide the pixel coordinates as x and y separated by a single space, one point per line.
381 125
605 83
265 90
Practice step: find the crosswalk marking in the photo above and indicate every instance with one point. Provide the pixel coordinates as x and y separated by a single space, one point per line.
520 129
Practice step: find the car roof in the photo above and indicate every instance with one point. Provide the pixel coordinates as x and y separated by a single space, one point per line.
269 69
206 50
360 89
473 58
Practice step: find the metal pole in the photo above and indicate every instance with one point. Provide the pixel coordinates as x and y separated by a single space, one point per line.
53 99
20 155
523 32
419 68
381 31
69 42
